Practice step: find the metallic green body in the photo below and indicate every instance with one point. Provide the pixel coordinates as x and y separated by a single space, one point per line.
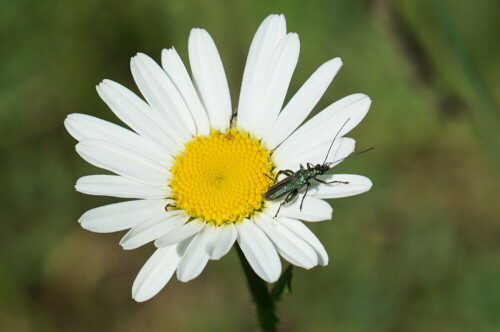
295 181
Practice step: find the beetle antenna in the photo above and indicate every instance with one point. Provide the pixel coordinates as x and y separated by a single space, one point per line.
333 141
352 155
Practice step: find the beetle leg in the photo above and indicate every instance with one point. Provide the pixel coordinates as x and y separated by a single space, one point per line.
303 197
170 205
309 166
269 176
326 182
287 172
291 195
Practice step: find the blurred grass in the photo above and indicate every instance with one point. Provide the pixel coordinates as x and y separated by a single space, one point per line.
419 252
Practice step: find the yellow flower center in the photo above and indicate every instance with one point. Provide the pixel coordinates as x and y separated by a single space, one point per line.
220 178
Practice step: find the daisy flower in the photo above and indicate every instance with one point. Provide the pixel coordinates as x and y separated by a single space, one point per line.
196 174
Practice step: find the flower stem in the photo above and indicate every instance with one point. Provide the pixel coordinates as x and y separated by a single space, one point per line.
264 302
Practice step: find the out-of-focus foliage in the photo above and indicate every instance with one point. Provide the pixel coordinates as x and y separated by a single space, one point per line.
420 252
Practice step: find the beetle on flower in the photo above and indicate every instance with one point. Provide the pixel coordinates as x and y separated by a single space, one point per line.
183 152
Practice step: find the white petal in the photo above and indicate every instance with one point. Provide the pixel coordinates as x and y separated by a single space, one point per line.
162 96
275 85
119 216
302 103
122 161
357 185
175 69
181 233
157 271
137 114
222 241
210 78
82 127
118 186
196 257
342 147
345 113
152 228
289 245
305 234
270 33
259 251
313 209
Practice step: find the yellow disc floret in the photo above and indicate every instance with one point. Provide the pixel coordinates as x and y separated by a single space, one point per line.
220 178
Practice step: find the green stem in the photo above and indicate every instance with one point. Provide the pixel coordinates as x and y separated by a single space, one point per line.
264 302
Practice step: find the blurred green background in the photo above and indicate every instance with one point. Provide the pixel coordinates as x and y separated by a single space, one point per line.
419 252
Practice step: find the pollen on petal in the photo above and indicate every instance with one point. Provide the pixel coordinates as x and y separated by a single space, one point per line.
221 178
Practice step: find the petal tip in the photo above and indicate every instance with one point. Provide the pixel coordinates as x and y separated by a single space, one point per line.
140 296
196 32
337 61
85 226
167 51
183 277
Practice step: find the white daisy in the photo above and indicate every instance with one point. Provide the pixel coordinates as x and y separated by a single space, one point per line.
197 180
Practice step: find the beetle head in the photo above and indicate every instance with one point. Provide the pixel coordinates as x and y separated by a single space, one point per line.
323 168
